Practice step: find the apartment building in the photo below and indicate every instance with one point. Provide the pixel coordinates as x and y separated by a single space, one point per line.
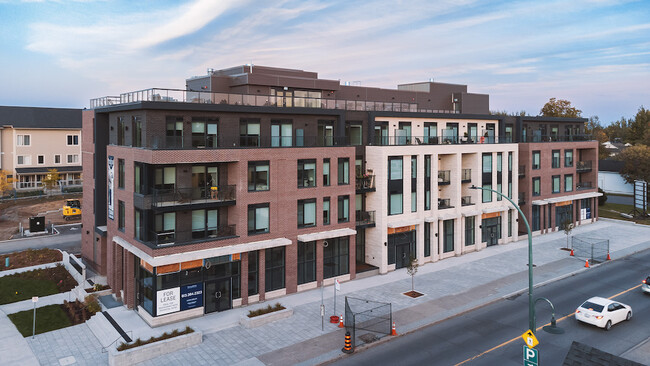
256 182
34 140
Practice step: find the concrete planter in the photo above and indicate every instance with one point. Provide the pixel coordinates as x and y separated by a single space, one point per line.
148 351
260 320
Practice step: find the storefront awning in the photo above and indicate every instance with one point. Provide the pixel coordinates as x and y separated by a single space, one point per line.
402 223
495 209
326 235
572 197
200 254
447 215
44 169
471 213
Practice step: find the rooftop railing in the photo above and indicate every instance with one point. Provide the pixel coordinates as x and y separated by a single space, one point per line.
205 97
556 138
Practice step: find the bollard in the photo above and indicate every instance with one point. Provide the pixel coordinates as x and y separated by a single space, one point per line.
348 344
7 262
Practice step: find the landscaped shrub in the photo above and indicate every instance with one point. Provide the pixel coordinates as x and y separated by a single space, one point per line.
138 342
266 310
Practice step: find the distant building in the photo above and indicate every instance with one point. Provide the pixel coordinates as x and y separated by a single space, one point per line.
610 179
34 140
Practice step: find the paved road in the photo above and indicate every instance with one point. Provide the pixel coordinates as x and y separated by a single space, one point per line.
461 338
68 239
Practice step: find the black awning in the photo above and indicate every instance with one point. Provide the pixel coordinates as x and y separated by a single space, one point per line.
44 169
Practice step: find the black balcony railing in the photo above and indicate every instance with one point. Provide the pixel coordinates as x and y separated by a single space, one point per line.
444 203
466 201
194 195
365 218
365 182
444 177
583 166
466 176
580 186
185 237
555 138
522 171
522 199
437 140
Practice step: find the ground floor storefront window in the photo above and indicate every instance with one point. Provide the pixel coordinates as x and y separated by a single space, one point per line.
274 276
336 258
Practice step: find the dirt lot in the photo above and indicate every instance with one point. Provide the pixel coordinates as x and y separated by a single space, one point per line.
13 212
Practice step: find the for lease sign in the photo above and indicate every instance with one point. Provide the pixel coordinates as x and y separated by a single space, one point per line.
169 301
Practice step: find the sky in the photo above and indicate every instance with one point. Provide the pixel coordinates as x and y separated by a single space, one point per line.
594 53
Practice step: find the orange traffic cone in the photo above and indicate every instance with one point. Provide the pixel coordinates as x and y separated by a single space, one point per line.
393 332
571 254
341 325
586 263
608 257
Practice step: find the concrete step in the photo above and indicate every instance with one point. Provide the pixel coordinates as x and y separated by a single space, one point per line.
103 330
365 274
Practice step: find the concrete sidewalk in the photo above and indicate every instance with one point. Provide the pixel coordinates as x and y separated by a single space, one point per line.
451 287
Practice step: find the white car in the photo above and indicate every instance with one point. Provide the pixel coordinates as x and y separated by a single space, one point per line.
603 312
645 287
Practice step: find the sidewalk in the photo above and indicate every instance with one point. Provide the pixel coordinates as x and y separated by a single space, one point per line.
451 287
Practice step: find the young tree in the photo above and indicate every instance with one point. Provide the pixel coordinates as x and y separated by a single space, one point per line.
51 179
559 108
636 163
412 269
5 183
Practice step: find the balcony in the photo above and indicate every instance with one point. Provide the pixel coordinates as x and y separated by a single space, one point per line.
466 201
583 166
444 203
466 176
522 199
365 219
365 183
444 177
556 138
437 140
522 171
188 237
581 186
193 196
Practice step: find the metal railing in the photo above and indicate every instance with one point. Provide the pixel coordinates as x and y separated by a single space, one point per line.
466 201
466 175
365 218
436 140
444 203
556 138
190 236
583 166
584 185
194 195
444 177
365 182
257 100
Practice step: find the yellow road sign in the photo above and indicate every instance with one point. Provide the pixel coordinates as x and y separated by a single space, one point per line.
530 339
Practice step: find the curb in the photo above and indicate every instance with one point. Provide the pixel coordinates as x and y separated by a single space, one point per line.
43 236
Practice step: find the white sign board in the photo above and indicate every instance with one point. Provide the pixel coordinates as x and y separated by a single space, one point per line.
34 298
169 301
337 285
111 174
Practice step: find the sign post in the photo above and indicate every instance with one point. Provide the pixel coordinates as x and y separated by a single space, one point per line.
34 300
530 339
531 356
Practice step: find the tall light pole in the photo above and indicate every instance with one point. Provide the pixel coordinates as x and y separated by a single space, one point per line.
531 303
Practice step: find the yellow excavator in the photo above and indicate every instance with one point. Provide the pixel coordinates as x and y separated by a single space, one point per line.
72 210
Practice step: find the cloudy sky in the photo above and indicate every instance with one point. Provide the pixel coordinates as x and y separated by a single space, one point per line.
595 53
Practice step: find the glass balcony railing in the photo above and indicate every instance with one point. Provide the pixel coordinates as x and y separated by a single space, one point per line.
444 203
466 201
437 140
365 182
365 218
580 186
194 195
556 138
583 166
466 176
444 177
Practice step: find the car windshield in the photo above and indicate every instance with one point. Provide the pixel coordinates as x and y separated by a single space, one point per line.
591 306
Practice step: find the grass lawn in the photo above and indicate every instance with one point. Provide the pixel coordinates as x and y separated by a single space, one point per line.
40 282
614 210
30 257
48 318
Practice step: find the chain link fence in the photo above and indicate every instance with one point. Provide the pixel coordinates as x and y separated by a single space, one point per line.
595 250
373 317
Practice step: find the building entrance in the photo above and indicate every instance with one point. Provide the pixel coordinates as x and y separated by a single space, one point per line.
491 230
218 295
400 248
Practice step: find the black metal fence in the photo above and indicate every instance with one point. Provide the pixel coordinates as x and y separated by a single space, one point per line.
367 315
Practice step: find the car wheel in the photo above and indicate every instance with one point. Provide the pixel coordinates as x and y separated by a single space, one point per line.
629 315
608 326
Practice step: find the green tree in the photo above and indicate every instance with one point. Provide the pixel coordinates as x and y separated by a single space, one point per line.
567 226
559 108
636 163
639 127
521 113
618 130
412 269
5 183
51 179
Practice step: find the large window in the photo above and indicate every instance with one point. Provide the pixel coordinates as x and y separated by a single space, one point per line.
136 131
414 183
500 190
448 235
535 222
306 173
427 182
306 262
344 209
120 173
72 140
274 261
307 213
344 171
253 273
174 132
326 211
205 223
23 140
427 239
555 163
281 133
326 172
509 223
165 178
258 218
138 224
121 218
470 233
72 158
487 163
24 159
336 257
249 132
487 195
568 183
536 186
556 184
121 131
536 160
568 158
204 132
395 186
354 134
165 227
258 176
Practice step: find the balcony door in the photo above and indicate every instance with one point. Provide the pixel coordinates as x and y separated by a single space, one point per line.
203 179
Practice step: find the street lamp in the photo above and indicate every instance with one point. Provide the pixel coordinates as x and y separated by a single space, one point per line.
531 304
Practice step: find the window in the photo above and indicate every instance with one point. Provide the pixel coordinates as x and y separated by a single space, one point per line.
24 160
165 227
57 159
73 140
307 213
274 261
414 183
165 178
487 163
344 209
121 131
568 183
120 173
336 257
499 162
326 172
306 262
326 211
427 239
306 173
395 186
344 171
509 189
23 140
556 184
204 132
427 182
73 158
121 218
536 186
174 132
448 235
258 218
536 160
470 234
355 135
138 224
136 131
253 271
258 176
249 132
499 189
139 181
509 223
487 195
555 162
568 158
205 223
281 133
40 159
535 224
509 161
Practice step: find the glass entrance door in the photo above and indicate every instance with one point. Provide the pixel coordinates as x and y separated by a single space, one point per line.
218 295
403 255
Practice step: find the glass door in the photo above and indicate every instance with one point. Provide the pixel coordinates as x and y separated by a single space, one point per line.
218 295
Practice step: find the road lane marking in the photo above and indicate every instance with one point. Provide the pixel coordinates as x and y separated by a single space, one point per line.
538 328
